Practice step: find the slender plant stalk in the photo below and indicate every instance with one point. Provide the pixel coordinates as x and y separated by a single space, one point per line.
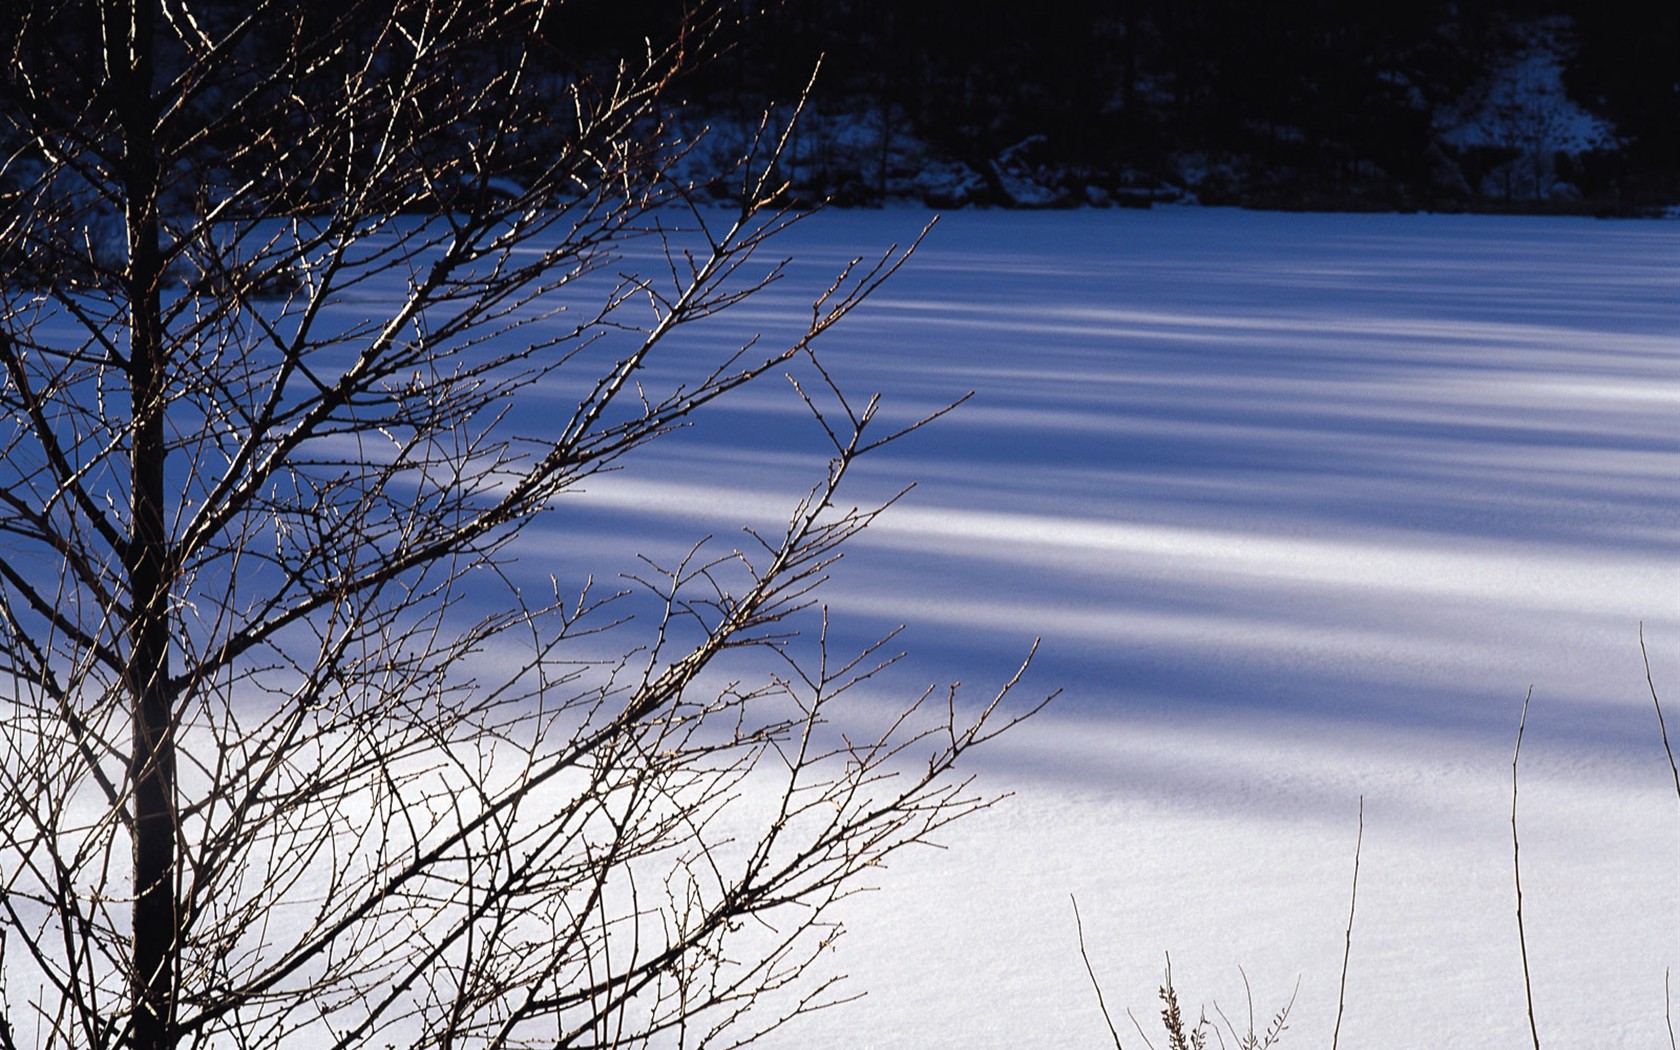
1668 1002
1347 948
1516 874
1079 928
1661 725
1668 1011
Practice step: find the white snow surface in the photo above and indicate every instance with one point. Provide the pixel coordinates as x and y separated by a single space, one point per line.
1302 506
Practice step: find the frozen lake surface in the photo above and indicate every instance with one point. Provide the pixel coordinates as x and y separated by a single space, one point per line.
1302 506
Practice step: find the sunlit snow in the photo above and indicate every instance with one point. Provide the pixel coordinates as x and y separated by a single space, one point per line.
1302 506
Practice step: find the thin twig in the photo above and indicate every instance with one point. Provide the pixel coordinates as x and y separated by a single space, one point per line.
1661 726
1139 1026
1516 873
1347 949
1668 1012
1079 928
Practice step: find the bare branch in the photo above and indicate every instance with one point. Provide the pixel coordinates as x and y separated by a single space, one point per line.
295 747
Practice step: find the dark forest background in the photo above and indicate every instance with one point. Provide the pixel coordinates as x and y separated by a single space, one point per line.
1324 104
1314 103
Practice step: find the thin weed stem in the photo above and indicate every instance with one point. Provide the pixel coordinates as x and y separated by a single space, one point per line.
1516 873
1668 1012
1347 949
1079 928
1661 726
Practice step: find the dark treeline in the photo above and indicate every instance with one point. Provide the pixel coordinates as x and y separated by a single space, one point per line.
1332 102
1320 103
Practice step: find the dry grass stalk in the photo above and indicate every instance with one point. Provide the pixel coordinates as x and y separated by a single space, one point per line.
1662 727
1516 873
1079 928
1347 950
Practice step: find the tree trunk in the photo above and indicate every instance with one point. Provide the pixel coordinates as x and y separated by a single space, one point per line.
129 39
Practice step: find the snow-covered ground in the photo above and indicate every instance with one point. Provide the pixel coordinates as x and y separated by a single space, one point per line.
1302 507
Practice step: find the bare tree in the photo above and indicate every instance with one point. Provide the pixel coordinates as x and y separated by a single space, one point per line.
292 753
